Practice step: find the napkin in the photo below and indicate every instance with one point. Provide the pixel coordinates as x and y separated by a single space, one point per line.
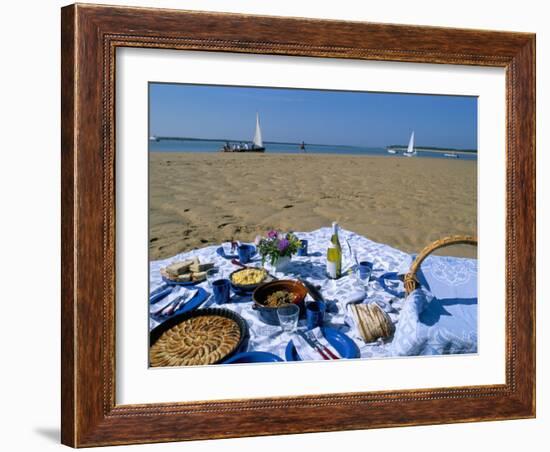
306 352
429 326
184 293
354 296
159 293
153 323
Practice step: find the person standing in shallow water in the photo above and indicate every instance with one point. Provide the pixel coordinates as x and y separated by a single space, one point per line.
303 146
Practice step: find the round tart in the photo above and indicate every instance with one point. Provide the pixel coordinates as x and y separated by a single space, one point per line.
201 339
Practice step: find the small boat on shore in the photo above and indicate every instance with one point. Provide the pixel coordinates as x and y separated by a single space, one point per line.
391 151
256 146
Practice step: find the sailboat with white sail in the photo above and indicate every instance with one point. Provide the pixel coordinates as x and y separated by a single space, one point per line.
410 152
257 144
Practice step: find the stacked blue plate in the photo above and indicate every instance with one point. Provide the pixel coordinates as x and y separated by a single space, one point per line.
253 357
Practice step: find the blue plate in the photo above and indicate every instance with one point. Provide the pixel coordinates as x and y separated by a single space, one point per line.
181 283
345 347
199 298
221 253
253 357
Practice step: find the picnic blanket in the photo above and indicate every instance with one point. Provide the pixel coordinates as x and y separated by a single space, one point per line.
441 317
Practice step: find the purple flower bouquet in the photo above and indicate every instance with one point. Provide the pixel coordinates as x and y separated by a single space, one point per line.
276 246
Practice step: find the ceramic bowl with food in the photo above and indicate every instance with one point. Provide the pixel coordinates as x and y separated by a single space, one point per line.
269 296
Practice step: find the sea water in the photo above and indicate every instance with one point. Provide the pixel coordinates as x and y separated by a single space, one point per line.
183 145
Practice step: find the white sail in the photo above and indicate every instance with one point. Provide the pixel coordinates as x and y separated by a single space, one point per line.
410 149
258 135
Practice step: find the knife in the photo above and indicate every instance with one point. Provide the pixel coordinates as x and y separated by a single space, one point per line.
312 345
170 308
236 262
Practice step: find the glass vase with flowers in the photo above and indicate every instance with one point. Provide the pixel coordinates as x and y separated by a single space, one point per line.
276 249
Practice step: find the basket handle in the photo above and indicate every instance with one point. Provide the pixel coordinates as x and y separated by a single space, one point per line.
410 280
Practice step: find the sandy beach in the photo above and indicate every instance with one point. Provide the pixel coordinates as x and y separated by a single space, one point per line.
200 199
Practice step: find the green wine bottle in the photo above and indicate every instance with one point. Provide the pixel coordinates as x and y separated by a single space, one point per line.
334 255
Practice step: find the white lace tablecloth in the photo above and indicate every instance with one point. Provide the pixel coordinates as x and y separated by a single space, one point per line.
268 338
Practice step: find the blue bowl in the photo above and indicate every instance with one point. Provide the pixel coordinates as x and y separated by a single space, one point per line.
342 343
253 357
247 289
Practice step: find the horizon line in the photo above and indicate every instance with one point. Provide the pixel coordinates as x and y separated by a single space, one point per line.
183 138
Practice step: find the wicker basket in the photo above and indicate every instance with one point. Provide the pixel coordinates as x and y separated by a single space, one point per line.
410 281
372 327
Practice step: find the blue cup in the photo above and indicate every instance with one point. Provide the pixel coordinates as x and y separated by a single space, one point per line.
221 290
245 253
302 251
365 270
315 314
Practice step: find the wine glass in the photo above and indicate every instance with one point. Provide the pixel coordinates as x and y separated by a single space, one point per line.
363 273
228 249
211 276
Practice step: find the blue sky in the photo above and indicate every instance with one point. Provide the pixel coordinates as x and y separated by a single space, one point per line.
314 116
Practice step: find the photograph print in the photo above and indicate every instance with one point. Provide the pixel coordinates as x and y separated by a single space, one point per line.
310 225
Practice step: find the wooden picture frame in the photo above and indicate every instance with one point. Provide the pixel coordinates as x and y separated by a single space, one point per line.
90 36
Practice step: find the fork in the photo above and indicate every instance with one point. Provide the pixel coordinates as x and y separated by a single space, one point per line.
171 307
327 350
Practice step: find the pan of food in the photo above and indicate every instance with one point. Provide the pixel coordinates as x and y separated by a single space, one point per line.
198 338
269 296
